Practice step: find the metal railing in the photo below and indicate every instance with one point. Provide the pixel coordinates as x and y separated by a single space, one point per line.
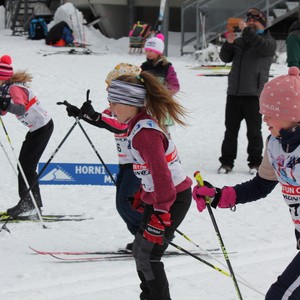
203 21
19 12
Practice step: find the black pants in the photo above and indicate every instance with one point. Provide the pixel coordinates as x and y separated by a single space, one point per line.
32 149
237 109
147 255
287 286
127 185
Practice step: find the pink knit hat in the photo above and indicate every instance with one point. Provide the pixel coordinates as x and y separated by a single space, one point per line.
280 97
6 70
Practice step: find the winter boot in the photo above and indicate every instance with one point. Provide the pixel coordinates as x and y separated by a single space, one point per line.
23 209
224 169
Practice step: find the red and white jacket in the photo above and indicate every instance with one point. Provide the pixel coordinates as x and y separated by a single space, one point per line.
156 162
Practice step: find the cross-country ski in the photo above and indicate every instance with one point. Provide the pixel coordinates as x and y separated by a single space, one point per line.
72 51
216 251
46 218
71 256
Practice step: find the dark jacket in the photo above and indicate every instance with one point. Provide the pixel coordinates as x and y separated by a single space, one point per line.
251 56
293 45
259 187
165 73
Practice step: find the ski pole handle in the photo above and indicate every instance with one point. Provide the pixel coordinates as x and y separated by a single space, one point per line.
66 103
88 96
200 182
199 178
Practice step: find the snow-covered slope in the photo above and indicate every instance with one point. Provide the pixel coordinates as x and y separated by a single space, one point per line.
261 233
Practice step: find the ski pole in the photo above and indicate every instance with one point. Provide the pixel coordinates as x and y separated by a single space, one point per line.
197 257
209 264
98 155
51 158
246 283
89 140
78 24
43 169
8 159
200 182
23 176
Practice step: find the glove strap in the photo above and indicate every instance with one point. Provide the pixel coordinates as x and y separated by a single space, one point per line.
215 200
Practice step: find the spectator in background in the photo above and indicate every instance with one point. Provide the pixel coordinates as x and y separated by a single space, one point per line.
293 45
159 66
251 56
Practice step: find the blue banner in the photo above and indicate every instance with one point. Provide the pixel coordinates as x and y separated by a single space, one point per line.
73 173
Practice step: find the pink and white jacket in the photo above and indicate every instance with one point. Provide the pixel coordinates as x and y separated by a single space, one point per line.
25 105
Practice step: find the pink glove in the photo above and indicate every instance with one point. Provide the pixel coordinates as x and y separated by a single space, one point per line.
228 197
224 198
199 192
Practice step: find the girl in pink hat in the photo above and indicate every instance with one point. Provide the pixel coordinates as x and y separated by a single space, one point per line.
280 107
17 98
158 65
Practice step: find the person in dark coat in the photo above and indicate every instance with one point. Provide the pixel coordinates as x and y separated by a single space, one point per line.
251 56
293 45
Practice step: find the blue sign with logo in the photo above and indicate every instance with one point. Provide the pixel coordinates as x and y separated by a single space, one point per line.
73 173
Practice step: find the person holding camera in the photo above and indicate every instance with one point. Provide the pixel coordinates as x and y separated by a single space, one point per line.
251 56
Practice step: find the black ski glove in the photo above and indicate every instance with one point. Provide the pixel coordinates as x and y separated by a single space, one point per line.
88 110
73 111
5 102
5 98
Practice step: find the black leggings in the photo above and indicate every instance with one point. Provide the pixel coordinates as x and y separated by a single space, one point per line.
32 149
147 255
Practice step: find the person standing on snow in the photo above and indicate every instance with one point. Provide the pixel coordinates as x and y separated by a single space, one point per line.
158 65
142 103
251 56
280 105
127 184
18 99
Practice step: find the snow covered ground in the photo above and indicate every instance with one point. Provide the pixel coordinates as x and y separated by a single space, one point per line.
261 233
